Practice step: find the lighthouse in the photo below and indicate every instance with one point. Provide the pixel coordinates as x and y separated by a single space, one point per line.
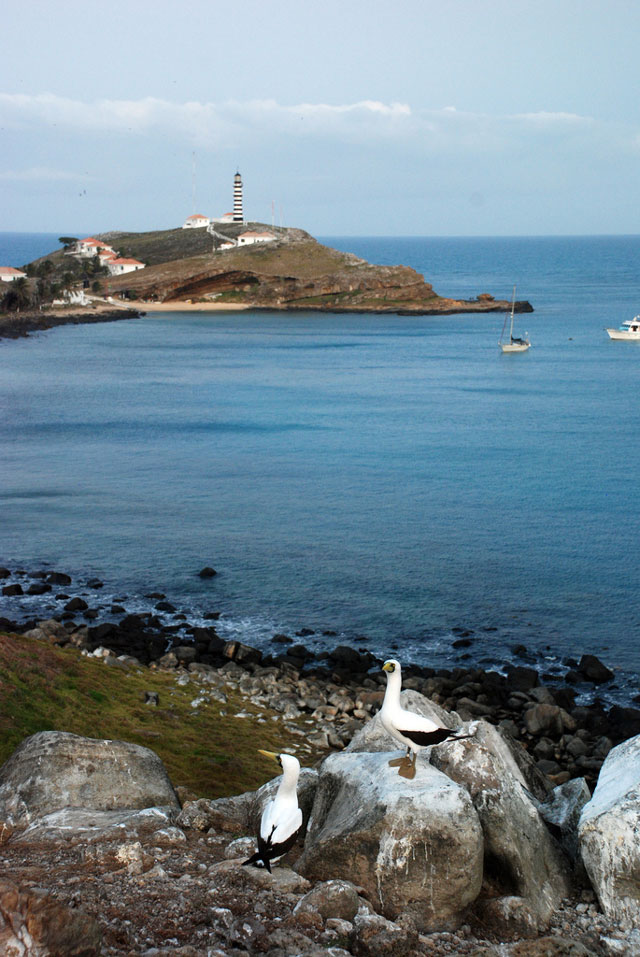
238 216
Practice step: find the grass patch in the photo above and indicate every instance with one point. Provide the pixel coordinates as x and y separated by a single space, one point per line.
206 749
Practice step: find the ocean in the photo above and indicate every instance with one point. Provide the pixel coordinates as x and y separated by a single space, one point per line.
390 482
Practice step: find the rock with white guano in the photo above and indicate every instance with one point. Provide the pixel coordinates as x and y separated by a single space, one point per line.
415 846
608 834
526 873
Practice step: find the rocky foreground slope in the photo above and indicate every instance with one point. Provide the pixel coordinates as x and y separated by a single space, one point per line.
294 272
101 852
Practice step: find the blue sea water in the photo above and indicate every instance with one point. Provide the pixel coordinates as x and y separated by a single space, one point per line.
395 480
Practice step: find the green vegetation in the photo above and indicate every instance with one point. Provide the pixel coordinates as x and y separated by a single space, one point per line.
207 749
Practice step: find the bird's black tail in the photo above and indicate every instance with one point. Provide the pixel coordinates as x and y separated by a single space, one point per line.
258 860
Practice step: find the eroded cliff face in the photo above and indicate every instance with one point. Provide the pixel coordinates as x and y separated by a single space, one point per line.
296 272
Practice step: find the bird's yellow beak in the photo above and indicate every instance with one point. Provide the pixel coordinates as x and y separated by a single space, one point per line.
268 754
387 666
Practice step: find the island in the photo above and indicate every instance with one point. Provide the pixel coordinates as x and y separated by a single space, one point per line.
234 266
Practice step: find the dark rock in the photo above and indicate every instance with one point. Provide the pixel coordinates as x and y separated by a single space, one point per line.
305 633
38 588
165 606
241 653
282 640
462 643
211 616
117 610
101 633
11 590
156 595
352 660
207 572
522 679
91 614
592 669
185 654
58 578
5 573
625 722
76 604
93 583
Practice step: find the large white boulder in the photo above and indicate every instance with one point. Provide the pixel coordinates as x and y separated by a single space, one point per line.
415 846
526 874
53 770
609 834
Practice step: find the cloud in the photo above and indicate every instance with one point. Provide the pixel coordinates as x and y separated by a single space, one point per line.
234 124
200 121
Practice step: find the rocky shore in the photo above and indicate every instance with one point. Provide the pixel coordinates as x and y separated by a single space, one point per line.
342 688
19 325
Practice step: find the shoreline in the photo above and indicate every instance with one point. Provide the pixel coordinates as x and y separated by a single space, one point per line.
567 738
19 325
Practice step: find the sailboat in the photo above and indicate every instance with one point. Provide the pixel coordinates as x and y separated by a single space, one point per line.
511 344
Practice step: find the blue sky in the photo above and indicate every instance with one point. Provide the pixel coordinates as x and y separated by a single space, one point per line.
357 117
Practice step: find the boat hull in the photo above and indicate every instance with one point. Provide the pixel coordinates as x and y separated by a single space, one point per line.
624 334
515 346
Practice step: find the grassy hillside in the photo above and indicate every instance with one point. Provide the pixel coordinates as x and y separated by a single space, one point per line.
206 749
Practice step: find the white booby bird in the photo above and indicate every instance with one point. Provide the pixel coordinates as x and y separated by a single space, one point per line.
282 818
412 730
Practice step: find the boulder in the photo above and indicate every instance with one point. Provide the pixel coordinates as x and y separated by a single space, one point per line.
377 937
608 834
33 923
522 858
52 770
49 630
592 669
331 899
415 846
562 809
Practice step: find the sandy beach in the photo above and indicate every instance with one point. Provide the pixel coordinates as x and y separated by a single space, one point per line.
177 306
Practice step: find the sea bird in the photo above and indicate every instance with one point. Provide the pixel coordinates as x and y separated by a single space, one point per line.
412 730
282 818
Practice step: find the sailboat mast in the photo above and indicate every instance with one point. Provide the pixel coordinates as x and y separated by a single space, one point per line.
513 306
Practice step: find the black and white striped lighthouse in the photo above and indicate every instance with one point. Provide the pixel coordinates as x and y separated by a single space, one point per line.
238 216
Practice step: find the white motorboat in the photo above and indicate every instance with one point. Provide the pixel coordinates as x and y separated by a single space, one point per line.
513 344
630 329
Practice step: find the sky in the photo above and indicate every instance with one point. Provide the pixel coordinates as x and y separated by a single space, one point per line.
344 117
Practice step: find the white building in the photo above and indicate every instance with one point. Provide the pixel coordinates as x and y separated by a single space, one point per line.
117 267
89 247
8 274
249 238
197 221
225 218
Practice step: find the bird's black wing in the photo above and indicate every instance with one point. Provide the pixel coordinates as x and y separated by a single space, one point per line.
426 738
